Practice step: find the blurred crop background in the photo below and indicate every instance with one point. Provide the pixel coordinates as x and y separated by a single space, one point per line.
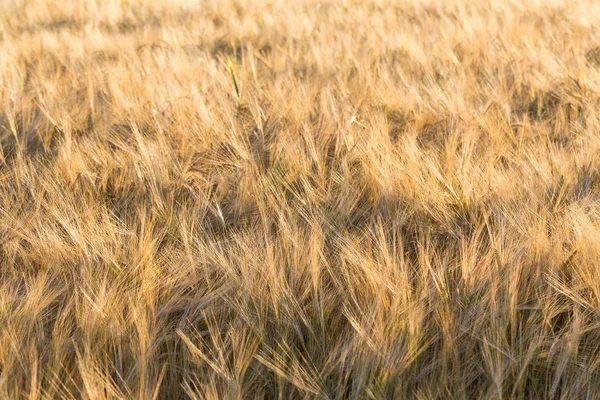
396 199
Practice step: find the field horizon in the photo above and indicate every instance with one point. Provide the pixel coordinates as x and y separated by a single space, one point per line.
316 199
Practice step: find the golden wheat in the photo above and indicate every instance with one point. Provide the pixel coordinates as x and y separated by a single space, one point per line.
372 199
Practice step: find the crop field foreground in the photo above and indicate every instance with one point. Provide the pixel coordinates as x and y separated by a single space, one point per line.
281 199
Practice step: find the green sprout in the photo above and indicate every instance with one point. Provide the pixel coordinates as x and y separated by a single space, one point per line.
237 89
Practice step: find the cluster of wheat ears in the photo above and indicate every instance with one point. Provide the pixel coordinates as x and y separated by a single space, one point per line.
299 199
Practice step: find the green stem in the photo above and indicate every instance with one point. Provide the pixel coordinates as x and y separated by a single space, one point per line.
237 89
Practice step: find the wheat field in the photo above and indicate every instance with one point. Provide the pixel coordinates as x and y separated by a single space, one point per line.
279 199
